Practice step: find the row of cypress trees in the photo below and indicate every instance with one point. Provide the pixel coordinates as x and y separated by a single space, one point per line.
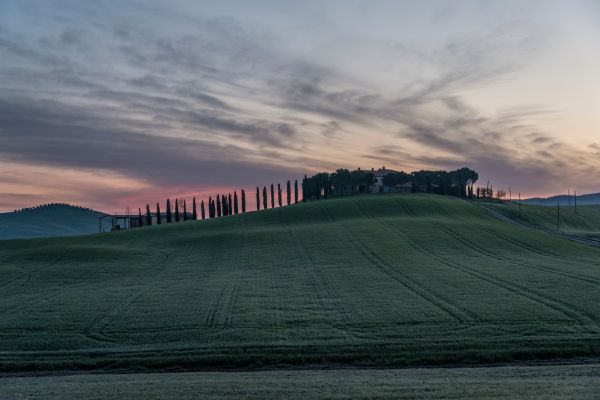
265 199
221 205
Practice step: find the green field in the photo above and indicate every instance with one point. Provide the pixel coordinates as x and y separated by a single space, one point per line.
522 382
389 280
584 220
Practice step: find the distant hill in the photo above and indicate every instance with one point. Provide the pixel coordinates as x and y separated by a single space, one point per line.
583 200
48 221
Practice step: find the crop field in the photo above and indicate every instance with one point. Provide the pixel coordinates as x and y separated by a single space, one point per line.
583 220
389 280
507 382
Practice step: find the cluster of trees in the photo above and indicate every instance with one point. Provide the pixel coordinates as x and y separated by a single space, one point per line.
53 205
339 183
344 182
219 206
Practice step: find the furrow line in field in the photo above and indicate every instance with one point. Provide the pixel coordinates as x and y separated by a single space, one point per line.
309 266
517 289
532 249
245 267
512 261
27 274
106 318
458 313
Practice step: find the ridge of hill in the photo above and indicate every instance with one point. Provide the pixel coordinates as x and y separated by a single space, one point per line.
375 280
49 220
565 200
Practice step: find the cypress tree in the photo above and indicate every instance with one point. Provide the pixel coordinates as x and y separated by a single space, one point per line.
279 194
194 211
185 214
140 221
176 210
218 206
158 217
289 193
224 205
257 199
169 217
272 196
296 191
211 207
235 202
202 209
230 205
265 197
243 201
148 215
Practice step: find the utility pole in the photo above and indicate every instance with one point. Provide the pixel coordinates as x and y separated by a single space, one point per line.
569 196
576 202
519 204
558 216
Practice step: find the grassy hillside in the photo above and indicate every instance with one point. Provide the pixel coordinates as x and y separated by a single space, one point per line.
586 220
373 280
565 200
49 221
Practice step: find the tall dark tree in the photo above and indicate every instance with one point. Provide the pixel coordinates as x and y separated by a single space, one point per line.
257 199
264 197
272 196
148 215
169 216
224 208
202 209
235 202
230 205
211 207
194 211
243 201
185 213
296 191
140 220
158 216
218 206
279 195
288 193
176 210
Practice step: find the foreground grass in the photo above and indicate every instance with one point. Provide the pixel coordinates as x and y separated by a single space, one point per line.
541 382
376 280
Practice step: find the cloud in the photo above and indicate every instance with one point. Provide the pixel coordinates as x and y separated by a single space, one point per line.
49 133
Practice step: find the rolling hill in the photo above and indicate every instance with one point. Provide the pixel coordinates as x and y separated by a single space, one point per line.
564 200
51 220
379 280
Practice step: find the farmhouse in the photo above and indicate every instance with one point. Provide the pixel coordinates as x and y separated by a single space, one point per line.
379 187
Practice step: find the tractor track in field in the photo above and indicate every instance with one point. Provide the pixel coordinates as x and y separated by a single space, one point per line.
244 261
534 250
516 289
571 236
27 274
104 319
10 312
318 288
554 305
512 261
460 314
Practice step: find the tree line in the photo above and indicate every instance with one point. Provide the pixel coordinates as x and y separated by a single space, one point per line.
218 206
344 182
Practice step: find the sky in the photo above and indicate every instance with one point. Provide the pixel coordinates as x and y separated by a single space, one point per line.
114 104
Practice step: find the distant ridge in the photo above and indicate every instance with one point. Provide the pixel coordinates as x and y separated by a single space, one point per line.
563 200
49 220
